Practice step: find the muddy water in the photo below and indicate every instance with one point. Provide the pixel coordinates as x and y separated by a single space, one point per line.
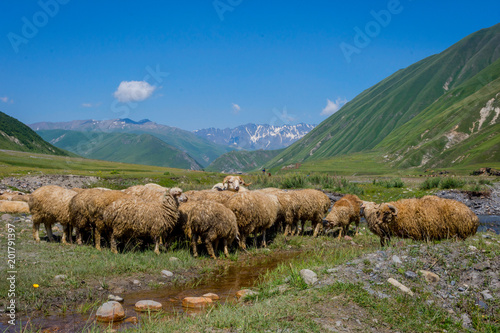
489 222
225 283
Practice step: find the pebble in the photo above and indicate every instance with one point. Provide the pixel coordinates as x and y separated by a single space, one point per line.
136 282
166 273
472 248
110 312
309 276
486 295
411 275
466 321
196 302
396 260
148 305
115 298
429 276
403 288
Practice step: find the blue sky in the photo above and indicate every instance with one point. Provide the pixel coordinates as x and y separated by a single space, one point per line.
223 63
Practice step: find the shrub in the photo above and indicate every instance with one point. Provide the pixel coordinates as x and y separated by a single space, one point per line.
430 183
450 182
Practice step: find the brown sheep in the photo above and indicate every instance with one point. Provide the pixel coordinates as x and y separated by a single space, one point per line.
14 207
87 209
288 208
211 221
314 205
255 212
147 192
343 213
136 218
49 205
211 195
15 196
234 183
428 218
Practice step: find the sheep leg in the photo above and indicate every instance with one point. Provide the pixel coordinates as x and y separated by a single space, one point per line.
340 233
264 244
210 249
112 241
287 230
36 227
157 245
48 230
216 244
64 233
97 240
194 243
243 242
78 234
226 252
317 229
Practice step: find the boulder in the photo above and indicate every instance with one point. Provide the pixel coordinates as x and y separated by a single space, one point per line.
196 302
148 305
110 312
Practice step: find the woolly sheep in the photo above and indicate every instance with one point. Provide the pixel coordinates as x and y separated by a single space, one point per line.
147 192
209 220
49 205
314 205
14 207
234 183
255 212
288 208
134 217
211 195
87 209
343 213
428 218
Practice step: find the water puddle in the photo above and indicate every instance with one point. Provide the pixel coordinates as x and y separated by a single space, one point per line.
225 283
489 222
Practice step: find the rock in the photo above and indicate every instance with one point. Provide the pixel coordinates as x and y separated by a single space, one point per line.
166 273
466 321
400 286
132 320
486 236
6 217
481 304
145 306
173 259
481 266
396 260
136 282
110 312
486 295
309 276
212 296
347 237
242 294
60 278
196 302
472 248
429 276
411 275
115 298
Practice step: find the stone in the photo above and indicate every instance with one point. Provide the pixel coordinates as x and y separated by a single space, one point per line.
396 260
132 320
486 236
481 304
241 294
60 278
466 321
115 298
136 282
6 217
196 302
429 276
166 273
148 305
349 238
110 312
486 295
472 248
411 275
402 287
482 266
309 276
212 296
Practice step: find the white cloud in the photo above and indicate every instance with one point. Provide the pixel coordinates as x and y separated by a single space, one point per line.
134 91
6 99
332 107
236 108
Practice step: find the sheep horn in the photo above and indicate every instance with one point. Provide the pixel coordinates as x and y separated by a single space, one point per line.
394 209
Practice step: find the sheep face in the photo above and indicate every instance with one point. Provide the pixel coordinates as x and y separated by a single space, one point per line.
233 183
177 194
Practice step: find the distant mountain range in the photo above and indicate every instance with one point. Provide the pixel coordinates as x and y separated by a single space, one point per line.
442 111
255 137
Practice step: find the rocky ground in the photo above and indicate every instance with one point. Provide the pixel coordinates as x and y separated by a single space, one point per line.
30 183
480 205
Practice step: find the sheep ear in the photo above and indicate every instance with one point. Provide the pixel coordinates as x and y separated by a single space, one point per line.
393 209
225 180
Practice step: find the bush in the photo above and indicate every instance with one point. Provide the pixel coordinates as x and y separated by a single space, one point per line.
395 182
449 183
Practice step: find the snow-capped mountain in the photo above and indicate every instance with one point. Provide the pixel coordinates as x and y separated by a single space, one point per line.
253 137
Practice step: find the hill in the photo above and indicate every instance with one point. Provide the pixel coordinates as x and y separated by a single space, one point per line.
202 150
14 135
254 137
428 114
242 161
121 147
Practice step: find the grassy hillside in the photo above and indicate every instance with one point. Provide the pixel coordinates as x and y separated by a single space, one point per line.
14 135
375 119
242 160
121 147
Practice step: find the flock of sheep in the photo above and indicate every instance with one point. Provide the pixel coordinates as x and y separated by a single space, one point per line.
230 212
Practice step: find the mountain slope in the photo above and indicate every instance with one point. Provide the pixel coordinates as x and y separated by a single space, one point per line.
375 118
202 150
121 147
14 135
242 161
254 137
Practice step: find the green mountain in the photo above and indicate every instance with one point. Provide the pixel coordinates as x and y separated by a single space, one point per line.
202 150
440 111
14 135
121 147
243 161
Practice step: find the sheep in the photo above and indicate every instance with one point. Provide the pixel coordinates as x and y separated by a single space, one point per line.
344 211
134 217
15 196
147 192
234 183
428 218
314 205
288 208
48 205
14 207
211 195
209 220
255 212
87 209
